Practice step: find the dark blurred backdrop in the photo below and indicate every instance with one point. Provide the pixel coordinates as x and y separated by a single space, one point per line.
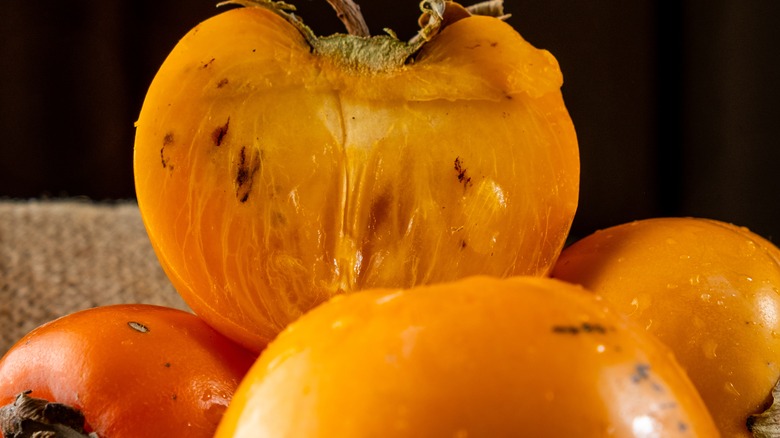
674 101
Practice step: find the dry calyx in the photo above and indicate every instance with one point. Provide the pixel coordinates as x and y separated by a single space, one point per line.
359 49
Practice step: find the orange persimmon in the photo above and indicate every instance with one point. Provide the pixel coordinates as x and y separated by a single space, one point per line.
707 289
275 169
479 357
127 370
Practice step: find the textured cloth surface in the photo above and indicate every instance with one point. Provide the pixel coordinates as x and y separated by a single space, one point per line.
57 257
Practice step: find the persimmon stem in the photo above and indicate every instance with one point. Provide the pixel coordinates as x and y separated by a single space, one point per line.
349 13
28 417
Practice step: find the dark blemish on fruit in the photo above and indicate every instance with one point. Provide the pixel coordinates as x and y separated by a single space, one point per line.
167 141
590 328
585 327
248 165
219 133
207 64
641 373
475 46
461 171
508 96
222 83
682 427
174 397
566 329
380 207
167 364
137 326
463 244
254 50
493 44
278 219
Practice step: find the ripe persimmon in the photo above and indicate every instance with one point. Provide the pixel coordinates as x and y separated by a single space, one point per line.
275 169
124 370
708 289
479 357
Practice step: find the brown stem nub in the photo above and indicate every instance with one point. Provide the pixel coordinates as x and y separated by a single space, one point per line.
28 417
349 13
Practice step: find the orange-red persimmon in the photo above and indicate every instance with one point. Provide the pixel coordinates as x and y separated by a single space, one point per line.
131 370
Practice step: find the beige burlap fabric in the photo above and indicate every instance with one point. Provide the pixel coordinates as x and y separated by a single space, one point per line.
60 256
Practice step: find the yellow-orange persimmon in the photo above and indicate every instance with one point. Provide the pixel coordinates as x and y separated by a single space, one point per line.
479 357
707 289
275 169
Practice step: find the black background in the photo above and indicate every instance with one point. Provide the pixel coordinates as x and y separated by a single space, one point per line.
675 102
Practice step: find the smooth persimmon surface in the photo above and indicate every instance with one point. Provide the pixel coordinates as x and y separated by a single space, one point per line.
271 177
479 357
707 289
132 370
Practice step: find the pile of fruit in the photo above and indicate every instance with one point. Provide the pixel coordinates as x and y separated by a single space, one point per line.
371 235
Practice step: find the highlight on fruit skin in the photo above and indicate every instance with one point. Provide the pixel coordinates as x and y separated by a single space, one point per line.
709 290
272 176
479 357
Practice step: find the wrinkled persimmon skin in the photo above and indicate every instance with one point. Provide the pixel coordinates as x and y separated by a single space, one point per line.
271 178
132 370
479 357
707 289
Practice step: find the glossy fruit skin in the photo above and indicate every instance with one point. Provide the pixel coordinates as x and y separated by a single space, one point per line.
479 357
707 289
271 178
132 370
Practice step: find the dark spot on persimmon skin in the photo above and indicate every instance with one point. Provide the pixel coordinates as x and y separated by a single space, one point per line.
463 244
380 208
641 373
218 135
494 44
167 141
585 327
461 172
222 83
207 64
137 326
249 163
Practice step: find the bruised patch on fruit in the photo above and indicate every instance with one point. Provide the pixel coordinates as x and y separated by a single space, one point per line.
463 178
248 164
218 135
380 208
222 83
167 141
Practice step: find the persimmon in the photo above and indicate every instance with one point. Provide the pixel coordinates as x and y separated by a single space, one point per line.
275 169
478 357
706 288
124 371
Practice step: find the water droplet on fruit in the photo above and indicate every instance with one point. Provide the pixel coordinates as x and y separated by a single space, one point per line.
705 296
730 388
